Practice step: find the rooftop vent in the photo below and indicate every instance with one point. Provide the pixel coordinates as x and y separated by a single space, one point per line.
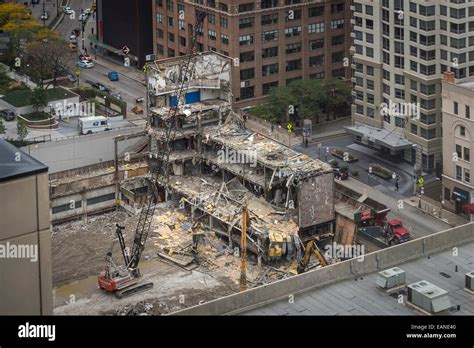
391 279
428 297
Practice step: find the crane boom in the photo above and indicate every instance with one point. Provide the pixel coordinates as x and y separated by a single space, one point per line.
123 280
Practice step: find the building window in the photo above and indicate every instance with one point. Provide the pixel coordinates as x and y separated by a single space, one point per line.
182 41
269 3
337 8
316 44
224 22
456 108
337 24
247 56
459 151
270 69
246 40
160 49
169 5
247 92
316 61
247 7
225 39
462 131
295 31
458 173
293 65
316 28
266 87
211 18
170 21
293 48
467 154
270 19
467 175
468 111
160 33
212 34
171 52
270 52
181 25
316 11
159 17
170 37
247 74
246 22
270 35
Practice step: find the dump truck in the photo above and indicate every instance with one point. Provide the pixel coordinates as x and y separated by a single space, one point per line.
374 226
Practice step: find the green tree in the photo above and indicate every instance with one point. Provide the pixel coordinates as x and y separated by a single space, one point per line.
2 127
21 129
338 94
39 99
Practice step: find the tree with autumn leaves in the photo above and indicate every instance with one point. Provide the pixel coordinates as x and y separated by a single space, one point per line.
44 52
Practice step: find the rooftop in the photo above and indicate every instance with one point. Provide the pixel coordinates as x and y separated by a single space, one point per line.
360 296
380 136
15 163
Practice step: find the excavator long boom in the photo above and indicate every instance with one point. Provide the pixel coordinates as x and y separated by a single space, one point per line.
311 248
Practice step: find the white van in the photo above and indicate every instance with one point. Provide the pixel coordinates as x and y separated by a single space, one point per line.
93 124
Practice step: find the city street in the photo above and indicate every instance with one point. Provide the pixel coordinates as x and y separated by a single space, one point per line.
130 89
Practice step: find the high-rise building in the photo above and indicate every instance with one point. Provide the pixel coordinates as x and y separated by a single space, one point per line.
458 129
272 42
125 23
401 49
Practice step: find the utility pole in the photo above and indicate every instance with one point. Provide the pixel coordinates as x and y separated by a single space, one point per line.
243 251
43 15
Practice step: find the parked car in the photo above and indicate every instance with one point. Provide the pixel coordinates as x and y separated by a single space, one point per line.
73 38
113 76
84 64
73 46
67 10
76 32
100 87
44 16
8 115
88 11
82 17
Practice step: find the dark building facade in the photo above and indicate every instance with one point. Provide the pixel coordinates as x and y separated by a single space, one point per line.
125 23
272 42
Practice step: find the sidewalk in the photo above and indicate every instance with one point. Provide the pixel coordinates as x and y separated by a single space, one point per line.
17 77
434 208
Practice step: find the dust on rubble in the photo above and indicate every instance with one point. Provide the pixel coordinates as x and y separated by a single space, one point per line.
79 250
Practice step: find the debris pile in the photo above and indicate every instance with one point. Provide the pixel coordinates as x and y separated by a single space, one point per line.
139 309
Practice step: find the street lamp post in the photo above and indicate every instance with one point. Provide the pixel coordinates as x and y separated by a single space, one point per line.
414 170
50 120
105 106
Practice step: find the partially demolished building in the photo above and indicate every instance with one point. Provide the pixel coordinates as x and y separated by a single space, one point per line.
217 165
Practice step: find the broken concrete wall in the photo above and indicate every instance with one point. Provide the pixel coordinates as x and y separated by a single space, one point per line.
316 200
